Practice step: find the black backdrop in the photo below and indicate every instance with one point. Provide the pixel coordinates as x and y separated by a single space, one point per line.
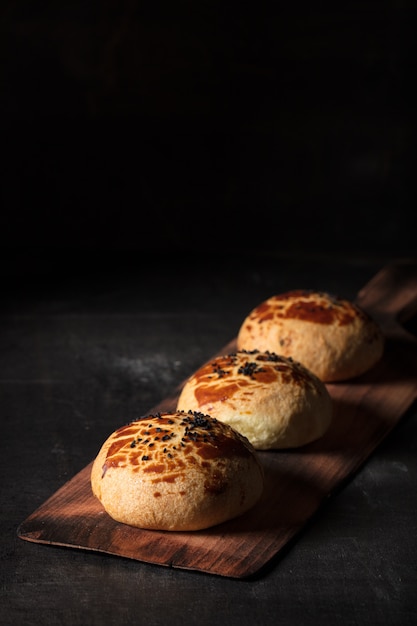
205 127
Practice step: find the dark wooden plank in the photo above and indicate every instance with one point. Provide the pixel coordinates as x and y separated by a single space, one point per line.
297 481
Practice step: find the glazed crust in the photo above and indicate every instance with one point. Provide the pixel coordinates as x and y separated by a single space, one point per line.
272 400
176 471
332 337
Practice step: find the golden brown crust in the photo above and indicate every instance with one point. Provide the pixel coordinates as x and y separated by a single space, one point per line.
332 337
272 400
176 471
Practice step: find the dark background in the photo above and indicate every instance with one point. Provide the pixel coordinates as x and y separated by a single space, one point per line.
132 128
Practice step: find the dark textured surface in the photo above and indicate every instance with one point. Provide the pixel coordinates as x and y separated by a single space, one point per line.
84 353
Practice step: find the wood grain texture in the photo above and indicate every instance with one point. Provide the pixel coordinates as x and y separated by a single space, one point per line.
297 481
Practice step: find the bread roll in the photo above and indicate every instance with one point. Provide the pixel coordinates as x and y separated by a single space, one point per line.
332 337
176 471
270 399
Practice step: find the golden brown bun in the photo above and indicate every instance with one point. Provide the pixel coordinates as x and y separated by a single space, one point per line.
176 471
333 338
272 400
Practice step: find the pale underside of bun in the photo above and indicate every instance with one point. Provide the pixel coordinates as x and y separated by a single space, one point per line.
272 400
332 337
177 472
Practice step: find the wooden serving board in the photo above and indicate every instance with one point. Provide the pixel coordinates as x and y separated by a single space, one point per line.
297 481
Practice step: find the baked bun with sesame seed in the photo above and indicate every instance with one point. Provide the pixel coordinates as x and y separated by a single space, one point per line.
177 472
272 400
332 337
